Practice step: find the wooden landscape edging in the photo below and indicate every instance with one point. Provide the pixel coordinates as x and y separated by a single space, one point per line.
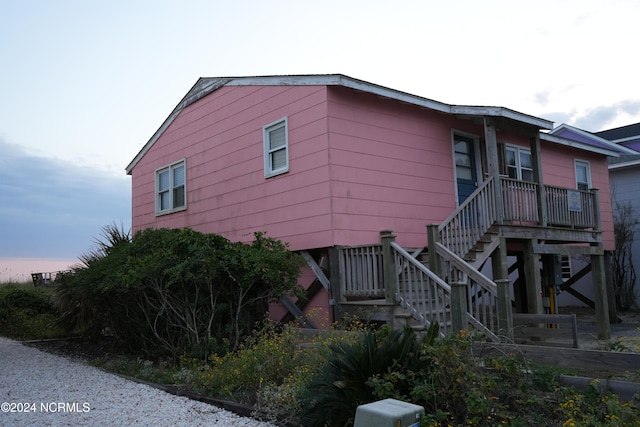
623 389
532 326
602 361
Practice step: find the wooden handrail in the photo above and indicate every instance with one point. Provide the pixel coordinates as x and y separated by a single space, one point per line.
467 269
462 230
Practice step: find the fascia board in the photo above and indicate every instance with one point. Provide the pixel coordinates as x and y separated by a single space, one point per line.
579 145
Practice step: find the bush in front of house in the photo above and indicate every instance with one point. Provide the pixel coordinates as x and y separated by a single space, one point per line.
176 292
27 313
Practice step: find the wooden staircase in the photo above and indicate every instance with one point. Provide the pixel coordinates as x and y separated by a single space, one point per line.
482 250
446 287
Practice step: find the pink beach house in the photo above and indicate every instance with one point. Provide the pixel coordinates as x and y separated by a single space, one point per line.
401 205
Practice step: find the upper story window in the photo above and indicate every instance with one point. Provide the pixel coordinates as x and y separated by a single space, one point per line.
583 175
171 192
517 163
276 148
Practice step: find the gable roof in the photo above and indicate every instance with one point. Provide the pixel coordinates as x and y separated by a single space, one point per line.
589 139
206 85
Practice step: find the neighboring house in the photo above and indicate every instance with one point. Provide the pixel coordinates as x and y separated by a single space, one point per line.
624 173
327 163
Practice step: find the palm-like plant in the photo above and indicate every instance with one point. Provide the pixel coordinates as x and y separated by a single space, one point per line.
80 292
343 384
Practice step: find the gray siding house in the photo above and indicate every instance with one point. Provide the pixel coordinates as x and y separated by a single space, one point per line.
624 176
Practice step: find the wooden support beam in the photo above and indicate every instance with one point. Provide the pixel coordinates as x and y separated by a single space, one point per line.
389 266
433 237
567 286
581 297
550 234
316 269
335 294
458 306
500 272
295 312
573 279
600 296
493 165
532 279
611 296
513 267
536 159
552 249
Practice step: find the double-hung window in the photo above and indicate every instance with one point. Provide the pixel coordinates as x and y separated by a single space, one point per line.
276 148
583 175
517 163
171 192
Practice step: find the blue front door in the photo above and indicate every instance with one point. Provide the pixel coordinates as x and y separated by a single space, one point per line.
465 158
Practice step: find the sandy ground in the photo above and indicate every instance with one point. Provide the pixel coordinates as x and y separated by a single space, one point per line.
627 332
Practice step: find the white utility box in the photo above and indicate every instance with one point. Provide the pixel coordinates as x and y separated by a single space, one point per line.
389 413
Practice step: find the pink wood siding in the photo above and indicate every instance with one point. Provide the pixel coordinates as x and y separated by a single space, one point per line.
221 138
391 168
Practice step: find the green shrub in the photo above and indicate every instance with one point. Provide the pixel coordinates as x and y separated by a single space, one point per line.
27 313
349 377
595 407
176 292
266 357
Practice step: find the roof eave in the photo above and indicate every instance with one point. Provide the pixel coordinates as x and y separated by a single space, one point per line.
205 86
622 165
468 110
579 145
200 89
615 147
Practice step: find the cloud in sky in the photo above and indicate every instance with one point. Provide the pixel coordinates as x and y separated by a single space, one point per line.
84 85
600 117
53 207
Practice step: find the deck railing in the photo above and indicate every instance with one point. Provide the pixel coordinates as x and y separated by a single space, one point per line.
571 208
361 273
519 200
473 218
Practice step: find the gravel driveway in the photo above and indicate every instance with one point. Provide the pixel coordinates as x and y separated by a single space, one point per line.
41 389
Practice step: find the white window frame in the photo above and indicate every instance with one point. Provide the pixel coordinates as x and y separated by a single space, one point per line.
269 170
170 168
587 166
518 150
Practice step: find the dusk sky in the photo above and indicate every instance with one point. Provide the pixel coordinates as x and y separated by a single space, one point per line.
85 84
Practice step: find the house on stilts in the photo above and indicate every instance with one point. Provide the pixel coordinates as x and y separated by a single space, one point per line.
402 206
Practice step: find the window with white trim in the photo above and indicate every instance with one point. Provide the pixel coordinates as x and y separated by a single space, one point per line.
517 163
583 175
171 194
276 148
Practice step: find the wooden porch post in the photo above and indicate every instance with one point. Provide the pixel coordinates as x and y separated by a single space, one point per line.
337 296
491 146
600 297
433 237
536 160
596 209
611 296
500 271
532 279
458 305
390 276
